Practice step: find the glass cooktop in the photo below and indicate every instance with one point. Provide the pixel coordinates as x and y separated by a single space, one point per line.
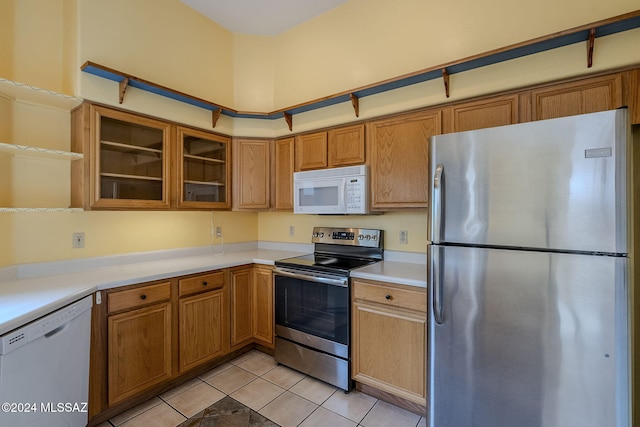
327 263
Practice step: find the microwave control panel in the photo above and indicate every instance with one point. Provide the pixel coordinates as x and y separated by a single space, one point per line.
356 194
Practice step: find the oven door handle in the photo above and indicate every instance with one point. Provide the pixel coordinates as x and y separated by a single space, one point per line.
326 280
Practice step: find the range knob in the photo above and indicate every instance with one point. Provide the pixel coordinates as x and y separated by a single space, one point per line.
315 234
321 235
360 236
368 237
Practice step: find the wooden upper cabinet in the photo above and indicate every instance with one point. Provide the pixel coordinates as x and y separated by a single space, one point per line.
400 159
311 151
499 111
204 173
579 97
283 174
126 163
251 169
346 146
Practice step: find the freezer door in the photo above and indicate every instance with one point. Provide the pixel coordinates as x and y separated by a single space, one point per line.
527 339
551 184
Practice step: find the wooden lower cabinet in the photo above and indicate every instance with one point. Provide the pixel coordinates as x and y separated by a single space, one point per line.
202 328
262 306
389 339
241 284
252 306
139 344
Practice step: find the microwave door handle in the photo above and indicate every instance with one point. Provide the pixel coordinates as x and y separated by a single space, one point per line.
343 199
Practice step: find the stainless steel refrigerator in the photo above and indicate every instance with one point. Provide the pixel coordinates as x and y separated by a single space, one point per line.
528 275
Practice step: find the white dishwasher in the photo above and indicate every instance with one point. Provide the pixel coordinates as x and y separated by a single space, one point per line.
44 370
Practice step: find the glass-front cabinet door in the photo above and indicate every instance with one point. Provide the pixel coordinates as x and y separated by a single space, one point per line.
131 162
204 175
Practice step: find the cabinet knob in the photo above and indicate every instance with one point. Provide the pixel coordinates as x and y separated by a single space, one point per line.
389 297
143 296
204 283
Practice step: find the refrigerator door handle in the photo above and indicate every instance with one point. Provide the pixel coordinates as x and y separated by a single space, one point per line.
438 189
436 286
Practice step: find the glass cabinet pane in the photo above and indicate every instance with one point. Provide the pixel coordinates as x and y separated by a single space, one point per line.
204 168
131 160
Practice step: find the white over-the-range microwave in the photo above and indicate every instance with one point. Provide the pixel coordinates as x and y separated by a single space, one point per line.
336 191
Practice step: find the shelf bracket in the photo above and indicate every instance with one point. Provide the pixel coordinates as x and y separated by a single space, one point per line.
445 78
215 115
123 88
289 119
590 44
355 101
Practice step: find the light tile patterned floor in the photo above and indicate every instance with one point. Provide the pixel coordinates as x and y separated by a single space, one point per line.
282 395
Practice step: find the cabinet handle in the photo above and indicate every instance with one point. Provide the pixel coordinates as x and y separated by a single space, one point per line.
389 297
204 283
143 296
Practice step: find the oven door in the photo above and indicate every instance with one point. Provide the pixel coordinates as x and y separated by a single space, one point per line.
313 309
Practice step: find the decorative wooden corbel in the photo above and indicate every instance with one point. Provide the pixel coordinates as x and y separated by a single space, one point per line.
445 78
590 44
355 101
289 119
215 115
123 88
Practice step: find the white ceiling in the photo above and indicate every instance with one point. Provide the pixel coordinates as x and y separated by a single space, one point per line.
261 17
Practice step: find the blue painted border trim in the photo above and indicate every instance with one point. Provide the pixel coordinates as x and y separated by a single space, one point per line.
460 67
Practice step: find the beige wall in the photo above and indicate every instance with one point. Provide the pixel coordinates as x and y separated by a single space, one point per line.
365 41
274 227
162 41
44 42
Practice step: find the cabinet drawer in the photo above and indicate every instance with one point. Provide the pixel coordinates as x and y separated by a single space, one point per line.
205 282
390 295
138 297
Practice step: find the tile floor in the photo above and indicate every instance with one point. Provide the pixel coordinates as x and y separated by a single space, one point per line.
282 395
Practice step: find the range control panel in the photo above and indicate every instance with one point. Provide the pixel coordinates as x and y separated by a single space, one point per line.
347 236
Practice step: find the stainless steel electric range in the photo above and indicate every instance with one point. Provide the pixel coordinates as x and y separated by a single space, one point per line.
312 302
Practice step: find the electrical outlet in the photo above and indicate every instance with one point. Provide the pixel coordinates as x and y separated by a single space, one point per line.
78 240
218 231
292 230
404 237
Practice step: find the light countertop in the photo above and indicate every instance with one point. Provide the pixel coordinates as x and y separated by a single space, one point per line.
24 299
403 273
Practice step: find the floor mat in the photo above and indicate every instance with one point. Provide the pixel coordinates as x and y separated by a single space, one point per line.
228 412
